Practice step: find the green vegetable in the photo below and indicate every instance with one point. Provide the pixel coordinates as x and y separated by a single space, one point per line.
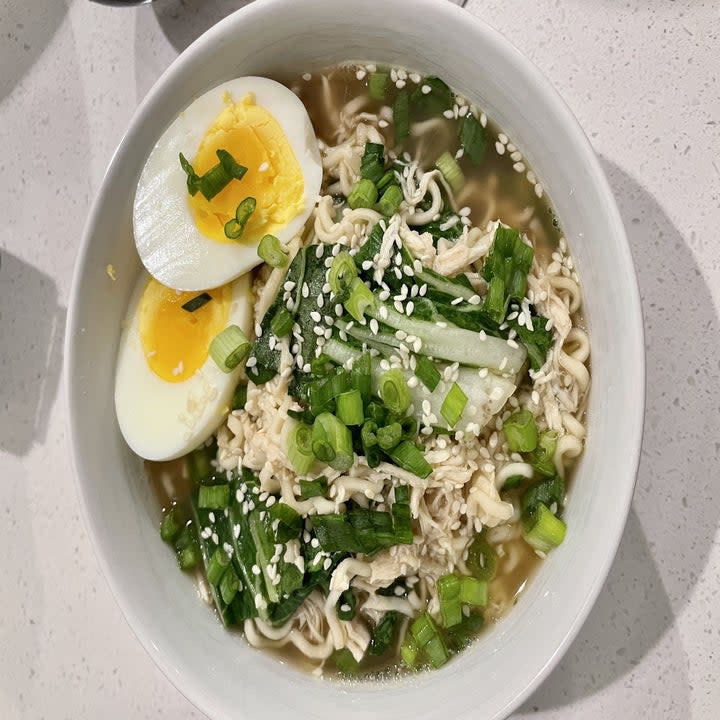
239 397
377 83
350 407
372 165
409 652
299 448
401 116
171 525
394 391
342 272
482 559
213 497
219 562
383 632
361 300
473 139
543 530
281 323
473 591
216 178
408 457
521 431
453 405
345 662
428 639
235 227
543 457
389 202
389 436
448 587
427 373
200 463
197 302
313 488
363 194
270 250
229 348
345 608
432 97
548 491
332 442
450 170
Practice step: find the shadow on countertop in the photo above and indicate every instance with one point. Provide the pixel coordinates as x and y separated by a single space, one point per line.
32 327
26 29
676 507
183 21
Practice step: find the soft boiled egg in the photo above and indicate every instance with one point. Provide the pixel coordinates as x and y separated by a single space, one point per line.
170 396
180 238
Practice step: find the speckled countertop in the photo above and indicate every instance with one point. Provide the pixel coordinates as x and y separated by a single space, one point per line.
642 77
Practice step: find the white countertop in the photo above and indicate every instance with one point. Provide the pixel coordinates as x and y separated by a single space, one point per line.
642 77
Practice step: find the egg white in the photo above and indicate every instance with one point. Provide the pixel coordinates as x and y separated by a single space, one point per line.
162 420
170 246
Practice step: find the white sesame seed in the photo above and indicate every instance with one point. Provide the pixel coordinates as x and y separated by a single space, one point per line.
400 84
307 76
316 316
360 74
500 148
519 167
456 301
252 362
426 89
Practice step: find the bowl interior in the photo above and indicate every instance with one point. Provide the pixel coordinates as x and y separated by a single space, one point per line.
216 670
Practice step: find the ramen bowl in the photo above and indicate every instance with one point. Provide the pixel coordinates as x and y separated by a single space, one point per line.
216 669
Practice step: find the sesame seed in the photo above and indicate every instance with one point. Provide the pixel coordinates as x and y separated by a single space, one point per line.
319 251
456 301
316 316
425 89
474 300
360 74
400 84
252 362
307 76
500 148
519 167
503 138
409 308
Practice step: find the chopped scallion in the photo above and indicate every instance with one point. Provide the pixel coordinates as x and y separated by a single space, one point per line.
299 448
235 227
219 562
342 272
214 497
229 584
401 116
408 457
390 201
270 250
216 178
473 591
543 530
453 405
239 397
361 299
171 525
363 194
334 440
542 457
313 488
389 436
426 372
377 82
409 652
394 391
361 376
349 407
229 348
473 139
372 165
189 556
197 302
450 170
448 587
282 323
520 431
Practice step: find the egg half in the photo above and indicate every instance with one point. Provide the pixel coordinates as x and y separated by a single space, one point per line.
170 396
264 126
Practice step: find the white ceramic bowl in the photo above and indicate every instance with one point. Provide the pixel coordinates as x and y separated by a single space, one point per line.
215 669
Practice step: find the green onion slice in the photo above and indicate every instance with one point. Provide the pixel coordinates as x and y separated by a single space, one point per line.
342 272
235 227
270 250
299 448
197 302
543 530
361 299
426 372
453 405
363 194
450 170
349 407
390 201
521 431
229 348
394 391
377 83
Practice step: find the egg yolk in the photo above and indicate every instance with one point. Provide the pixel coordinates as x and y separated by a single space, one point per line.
256 140
175 341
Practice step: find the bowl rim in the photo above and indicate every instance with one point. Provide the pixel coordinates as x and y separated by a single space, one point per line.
192 688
